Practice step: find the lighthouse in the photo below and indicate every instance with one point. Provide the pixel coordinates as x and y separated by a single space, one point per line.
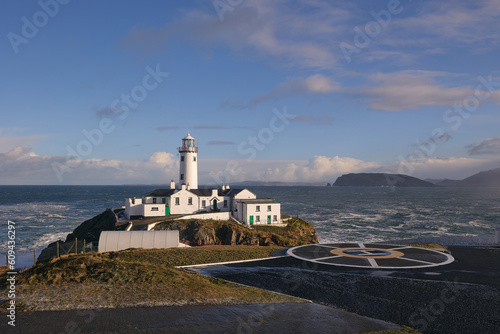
188 170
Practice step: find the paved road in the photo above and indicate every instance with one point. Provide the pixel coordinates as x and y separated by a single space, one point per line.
261 318
461 297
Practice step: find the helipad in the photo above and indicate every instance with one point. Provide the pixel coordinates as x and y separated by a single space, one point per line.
378 256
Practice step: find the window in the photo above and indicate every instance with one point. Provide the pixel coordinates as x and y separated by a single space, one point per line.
154 200
257 208
275 218
154 208
182 177
133 200
203 203
268 208
194 158
225 203
190 201
177 201
182 158
257 219
164 200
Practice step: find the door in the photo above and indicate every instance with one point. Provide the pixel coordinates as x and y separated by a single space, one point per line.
215 205
167 211
269 219
251 220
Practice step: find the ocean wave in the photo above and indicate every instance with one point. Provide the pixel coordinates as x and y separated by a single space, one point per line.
44 240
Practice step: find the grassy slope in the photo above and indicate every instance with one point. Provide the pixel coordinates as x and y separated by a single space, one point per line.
138 277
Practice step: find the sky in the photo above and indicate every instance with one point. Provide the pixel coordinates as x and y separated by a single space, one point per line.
102 92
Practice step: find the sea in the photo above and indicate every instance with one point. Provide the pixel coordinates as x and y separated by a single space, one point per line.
44 214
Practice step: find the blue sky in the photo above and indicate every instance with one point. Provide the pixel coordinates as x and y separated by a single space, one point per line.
101 92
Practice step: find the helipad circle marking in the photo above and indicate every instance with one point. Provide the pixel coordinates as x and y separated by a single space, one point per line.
380 256
367 253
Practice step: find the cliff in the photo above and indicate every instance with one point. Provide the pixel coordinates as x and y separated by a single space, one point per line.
192 232
88 231
213 232
380 180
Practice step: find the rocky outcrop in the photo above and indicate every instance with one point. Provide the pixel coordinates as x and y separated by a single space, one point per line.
88 231
199 232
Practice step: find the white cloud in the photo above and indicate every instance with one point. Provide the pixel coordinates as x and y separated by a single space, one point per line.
446 168
438 26
410 90
302 36
9 139
315 84
22 166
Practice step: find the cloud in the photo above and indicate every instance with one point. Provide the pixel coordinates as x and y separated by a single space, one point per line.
316 84
22 166
9 139
201 127
105 112
485 147
220 142
443 168
316 120
302 36
450 23
410 90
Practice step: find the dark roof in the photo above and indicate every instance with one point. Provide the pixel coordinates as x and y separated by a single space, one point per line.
198 192
162 192
258 200
220 192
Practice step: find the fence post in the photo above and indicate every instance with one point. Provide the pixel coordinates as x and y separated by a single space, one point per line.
84 246
76 245
34 256
57 248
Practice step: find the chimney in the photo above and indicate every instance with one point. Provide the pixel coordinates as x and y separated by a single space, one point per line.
227 186
215 192
223 187
183 186
172 184
187 186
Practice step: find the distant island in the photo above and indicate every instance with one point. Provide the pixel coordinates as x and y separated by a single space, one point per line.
485 179
380 180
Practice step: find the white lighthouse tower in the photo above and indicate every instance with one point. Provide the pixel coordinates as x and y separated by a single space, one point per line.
189 163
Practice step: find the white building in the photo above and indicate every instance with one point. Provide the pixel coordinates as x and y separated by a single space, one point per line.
241 204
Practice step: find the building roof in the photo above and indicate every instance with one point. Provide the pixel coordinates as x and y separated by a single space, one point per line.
197 192
162 192
220 192
258 200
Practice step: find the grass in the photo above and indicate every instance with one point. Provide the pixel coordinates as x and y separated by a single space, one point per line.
435 247
138 278
270 229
